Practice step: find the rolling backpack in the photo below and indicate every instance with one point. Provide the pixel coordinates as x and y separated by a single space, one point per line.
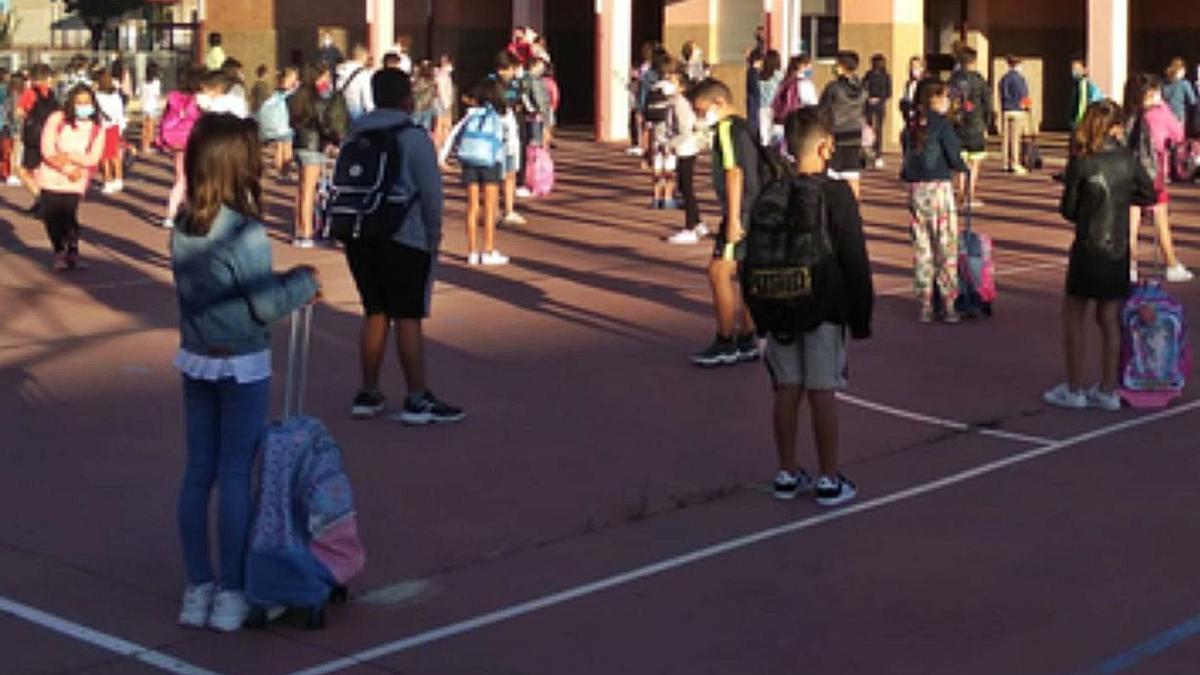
481 141
1156 357
363 202
304 542
976 270
790 274
273 120
540 172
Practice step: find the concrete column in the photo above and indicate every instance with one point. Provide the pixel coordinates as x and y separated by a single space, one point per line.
381 27
1108 45
894 28
529 13
614 37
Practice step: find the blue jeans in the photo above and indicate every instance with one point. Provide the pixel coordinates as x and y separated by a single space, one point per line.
224 421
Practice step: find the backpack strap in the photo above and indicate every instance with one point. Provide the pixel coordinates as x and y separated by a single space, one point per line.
346 85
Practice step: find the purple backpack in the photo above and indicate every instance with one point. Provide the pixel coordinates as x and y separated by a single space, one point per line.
1156 358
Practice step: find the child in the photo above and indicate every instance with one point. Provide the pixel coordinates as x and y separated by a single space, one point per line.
769 80
736 179
482 167
845 98
228 298
276 126
316 132
1102 181
1177 92
506 71
1153 129
813 365
13 120
261 90
34 108
879 92
686 145
112 112
444 84
72 145
973 117
661 120
931 153
424 95
150 95
179 117
1083 92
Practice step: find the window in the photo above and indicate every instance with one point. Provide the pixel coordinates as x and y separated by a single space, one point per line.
819 36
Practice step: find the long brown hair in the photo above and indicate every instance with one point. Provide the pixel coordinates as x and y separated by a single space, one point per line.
918 129
1094 130
224 166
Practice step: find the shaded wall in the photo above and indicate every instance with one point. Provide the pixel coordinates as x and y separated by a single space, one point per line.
570 27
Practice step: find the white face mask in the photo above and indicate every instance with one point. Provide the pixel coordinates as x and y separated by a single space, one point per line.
669 88
712 117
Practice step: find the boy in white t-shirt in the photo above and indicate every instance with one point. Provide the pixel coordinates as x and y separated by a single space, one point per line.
112 112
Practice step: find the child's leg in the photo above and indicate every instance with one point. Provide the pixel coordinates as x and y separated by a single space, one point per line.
510 192
288 157
473 217
825 429
372 344
1108 318
787 419
119 163
491 204
855 188
945 226
921 217
309 175
147 130
1073 342
976 167
202 430
725 302
242 420
179 189
669 186
687 185
1135 225
29 181
1162 224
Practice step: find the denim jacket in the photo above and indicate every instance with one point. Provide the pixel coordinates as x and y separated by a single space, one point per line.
228 294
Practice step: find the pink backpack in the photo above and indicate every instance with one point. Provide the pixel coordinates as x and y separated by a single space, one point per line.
1156 356
540 170
177 120
786 100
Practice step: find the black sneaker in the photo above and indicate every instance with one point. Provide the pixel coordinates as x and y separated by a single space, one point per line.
722 352
834 491
427 409
747 346
367 404
788 485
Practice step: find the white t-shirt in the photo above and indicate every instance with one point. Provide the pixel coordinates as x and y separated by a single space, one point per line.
113 109
150 95
232 103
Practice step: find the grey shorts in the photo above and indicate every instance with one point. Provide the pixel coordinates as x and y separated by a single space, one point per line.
815 361
310 158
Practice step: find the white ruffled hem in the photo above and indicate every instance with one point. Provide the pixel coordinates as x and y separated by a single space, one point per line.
244 369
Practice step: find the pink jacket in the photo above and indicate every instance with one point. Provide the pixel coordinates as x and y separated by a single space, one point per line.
82 143
1165 130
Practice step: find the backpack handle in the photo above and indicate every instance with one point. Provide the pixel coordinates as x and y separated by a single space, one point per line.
296 379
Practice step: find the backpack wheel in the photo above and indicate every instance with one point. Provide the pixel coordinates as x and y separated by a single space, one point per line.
315 619
256 619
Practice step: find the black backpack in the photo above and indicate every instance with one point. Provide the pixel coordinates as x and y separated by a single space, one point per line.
789 275
658 105
363 204
35 120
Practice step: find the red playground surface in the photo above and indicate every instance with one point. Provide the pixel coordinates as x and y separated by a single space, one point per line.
606 506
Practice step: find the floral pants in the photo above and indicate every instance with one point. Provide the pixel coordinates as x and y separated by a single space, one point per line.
934 224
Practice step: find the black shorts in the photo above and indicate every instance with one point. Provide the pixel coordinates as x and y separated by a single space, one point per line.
847 159
392 278
482 175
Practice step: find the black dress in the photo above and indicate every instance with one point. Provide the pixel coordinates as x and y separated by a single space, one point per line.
1098 191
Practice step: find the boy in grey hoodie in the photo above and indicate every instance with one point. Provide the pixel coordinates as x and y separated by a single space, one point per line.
395 278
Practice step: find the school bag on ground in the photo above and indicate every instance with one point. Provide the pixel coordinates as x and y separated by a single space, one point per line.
481 141
1031 154
273 121
35 120
363 202
540 171
1156 357
976 270
304 543
790 274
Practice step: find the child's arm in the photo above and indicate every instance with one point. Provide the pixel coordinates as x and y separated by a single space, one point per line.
855 264
269 295
952 146
734 184
452 141
1069 206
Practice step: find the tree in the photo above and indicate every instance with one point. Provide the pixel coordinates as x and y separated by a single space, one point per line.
98 14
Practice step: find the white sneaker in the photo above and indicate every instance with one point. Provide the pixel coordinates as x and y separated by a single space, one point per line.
513 219
1020 171
1103 400
702 230
473 259
168 223
109 188
494 258
1179 273
197 605
684 237
301 242
634 152
118 185
524 193
229 611
835 490
1133 275
879 163
13 181
1062 396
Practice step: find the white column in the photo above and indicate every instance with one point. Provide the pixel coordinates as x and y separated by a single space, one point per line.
614 38
381 27
1108 45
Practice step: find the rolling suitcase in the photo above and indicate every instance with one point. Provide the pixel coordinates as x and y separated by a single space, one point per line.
976 269
304 542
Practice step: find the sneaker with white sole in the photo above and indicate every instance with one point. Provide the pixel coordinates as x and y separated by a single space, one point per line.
788 485
1062 396
834 490
493 258
13 181
168 223
426 409
303 242
472 259
684 237
1103 400
1177 273
513 219
524 193
747 346
118 185
1133 275
878 162
197 605
367 404
632 152
229 611
722 352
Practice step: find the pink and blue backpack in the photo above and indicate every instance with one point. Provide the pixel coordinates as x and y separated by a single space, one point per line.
1156 357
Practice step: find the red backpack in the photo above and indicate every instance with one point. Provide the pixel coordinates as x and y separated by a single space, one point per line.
786 100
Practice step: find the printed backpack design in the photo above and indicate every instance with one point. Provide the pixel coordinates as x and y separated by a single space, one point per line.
273 121
790 268
363 202
1156 357
541 170
481 143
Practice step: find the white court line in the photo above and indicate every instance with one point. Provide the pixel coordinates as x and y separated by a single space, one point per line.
942 422
698 555
104 641
1002 272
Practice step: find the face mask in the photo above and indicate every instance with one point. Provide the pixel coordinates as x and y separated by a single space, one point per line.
712 117
807 73
84 112
324 88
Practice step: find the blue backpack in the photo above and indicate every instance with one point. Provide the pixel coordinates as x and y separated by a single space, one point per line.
273 120
481 142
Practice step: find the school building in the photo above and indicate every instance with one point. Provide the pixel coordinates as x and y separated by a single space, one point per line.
594 42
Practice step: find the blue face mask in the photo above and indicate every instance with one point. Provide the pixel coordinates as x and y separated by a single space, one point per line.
83 112
807 73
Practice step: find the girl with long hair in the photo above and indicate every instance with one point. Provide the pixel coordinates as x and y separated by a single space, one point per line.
71 148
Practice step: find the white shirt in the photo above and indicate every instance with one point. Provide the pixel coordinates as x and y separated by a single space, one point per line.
244 369
150 94
360 97
230 103
113 108
808 93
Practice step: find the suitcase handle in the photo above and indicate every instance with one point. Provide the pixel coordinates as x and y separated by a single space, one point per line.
296 378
